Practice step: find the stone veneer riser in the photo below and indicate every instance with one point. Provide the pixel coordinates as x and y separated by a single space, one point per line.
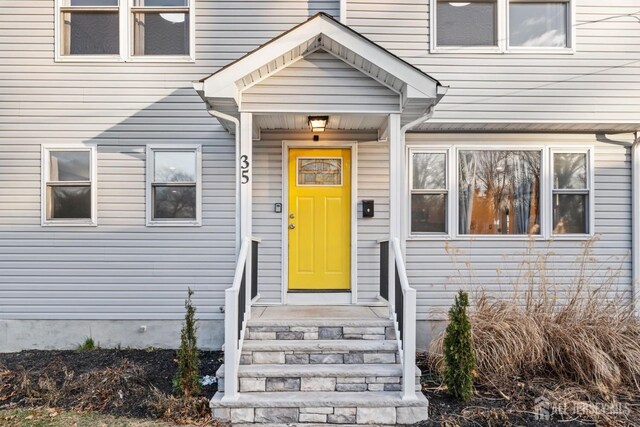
319 357
320 333
339 384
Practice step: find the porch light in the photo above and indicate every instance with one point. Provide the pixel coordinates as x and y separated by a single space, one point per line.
318 123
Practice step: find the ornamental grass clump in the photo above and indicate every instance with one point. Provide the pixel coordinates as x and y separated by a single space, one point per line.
459 356
187 380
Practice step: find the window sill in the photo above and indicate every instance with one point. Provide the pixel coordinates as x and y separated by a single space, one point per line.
174 224
466 49
505 238
162 59
89 58
541 50
119 59
463 50
69 224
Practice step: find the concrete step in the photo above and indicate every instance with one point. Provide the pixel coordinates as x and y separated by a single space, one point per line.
338 377
268 352
372 408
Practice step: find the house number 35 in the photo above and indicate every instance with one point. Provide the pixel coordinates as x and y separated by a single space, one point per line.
244 168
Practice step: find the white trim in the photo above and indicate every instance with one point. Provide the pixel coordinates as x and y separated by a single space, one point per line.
44 175
151 148
502 33
343 12
353 146
635 222
125 35
319 298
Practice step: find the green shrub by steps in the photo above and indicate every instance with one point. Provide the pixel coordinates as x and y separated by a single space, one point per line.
187 380
459 355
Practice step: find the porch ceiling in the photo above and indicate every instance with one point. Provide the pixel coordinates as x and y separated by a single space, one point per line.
225 90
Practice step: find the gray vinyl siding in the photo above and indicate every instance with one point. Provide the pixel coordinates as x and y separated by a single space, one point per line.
438 268
600 83
120 269
373 184
317 83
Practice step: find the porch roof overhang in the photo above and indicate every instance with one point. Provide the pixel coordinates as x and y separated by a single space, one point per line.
417 92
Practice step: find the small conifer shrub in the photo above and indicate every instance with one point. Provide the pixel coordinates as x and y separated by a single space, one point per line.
187 380
459 355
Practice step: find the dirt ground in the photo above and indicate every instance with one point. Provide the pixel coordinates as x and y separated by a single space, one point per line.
134 388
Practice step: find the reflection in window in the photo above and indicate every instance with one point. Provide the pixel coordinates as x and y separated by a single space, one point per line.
161 27
570 193
429 193
68 185
174 185
538 24
466 23
319 171
499 192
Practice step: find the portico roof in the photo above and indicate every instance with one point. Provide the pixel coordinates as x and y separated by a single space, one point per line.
314 43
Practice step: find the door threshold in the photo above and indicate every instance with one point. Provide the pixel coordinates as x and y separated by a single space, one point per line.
319 298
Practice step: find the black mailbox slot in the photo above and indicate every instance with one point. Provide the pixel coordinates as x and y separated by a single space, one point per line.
367 208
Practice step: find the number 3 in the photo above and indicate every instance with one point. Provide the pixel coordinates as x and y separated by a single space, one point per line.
244 165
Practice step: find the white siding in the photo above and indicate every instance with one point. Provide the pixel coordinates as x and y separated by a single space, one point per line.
438 268
320 82
598 84
120 269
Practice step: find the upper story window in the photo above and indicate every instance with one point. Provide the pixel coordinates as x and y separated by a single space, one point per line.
174 185
68 186
502 26
124 30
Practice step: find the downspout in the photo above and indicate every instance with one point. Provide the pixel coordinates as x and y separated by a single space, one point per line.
220 115
635 223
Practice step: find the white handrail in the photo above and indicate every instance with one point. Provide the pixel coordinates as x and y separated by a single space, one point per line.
233 344
408 345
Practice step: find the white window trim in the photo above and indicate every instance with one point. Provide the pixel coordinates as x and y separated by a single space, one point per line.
591 208
45 167
546 192
448 216
125 26
150 166
502 22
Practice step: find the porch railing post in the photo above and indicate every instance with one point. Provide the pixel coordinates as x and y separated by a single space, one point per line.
230 346
409 346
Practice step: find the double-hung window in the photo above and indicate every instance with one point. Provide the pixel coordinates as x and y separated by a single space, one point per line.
429 192
124 30
502 25
174 185
68 186
571 192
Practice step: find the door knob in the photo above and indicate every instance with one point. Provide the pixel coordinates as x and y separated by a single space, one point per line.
292 226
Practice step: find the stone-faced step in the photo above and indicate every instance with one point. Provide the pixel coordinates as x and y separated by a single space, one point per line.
319 346
371 408
320 332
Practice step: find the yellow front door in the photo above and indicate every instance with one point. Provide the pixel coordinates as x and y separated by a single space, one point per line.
319 218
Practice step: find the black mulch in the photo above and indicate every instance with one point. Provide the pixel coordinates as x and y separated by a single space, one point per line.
154 369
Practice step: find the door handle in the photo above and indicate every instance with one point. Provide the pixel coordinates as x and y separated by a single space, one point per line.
292 226
292 216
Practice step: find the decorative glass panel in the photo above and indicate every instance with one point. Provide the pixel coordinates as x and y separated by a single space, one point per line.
570 214
161 33
91 33
319 171
174 166
499 192
70 166
67 202
538 24
466 23
429 171
171 202
428 213
570 171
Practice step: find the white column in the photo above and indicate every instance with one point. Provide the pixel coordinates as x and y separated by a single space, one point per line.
396 173
246 185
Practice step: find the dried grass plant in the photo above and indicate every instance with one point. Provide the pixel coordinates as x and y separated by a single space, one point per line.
580 329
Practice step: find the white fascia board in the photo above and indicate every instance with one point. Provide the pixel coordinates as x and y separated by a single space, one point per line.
222 84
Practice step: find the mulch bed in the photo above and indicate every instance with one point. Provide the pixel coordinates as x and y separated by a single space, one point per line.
118 382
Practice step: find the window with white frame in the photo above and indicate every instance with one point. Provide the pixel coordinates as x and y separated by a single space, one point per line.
571 192
69 186
125 29
502 25
174 186
429 192
525 192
